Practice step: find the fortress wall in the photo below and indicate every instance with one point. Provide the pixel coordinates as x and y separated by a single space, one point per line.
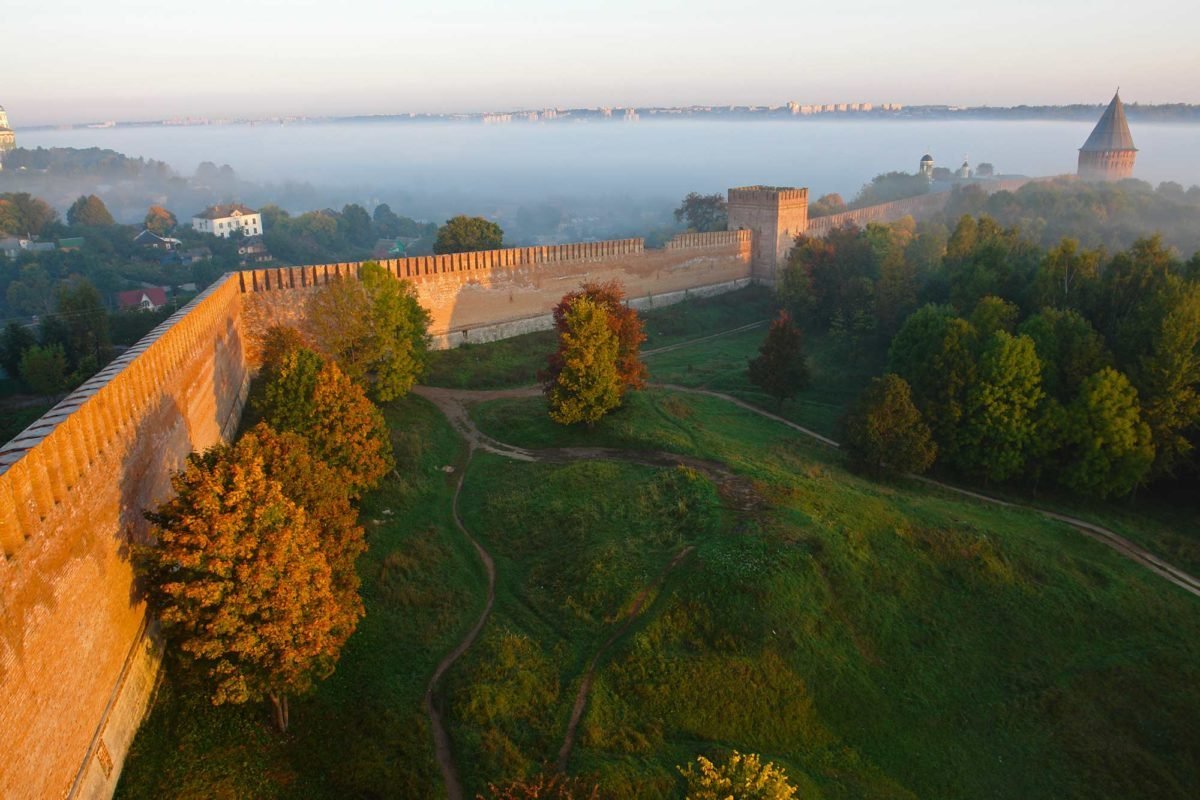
917 207
495 294
76 666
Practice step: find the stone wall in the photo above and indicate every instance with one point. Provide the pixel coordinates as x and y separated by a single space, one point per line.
494 294
77 667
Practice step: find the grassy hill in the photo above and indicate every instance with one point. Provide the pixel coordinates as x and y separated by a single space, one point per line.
883 640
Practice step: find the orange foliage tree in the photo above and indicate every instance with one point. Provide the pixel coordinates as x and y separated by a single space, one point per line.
240 582
622 320
314 398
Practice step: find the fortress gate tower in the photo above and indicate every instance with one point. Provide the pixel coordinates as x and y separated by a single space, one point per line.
776 215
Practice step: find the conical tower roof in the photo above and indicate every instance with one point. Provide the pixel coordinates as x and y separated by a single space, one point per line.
1112 131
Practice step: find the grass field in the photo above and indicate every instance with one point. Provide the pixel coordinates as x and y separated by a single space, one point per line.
362 733
878 640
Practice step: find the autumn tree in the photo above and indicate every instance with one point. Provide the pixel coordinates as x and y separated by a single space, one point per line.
24 214
313 485
89 211
239 581
999 422
884 431
314 398
703 212
374 328
625 324
827 204
464 234
159 220
780 369
1108 448
277 342
588 385
740 776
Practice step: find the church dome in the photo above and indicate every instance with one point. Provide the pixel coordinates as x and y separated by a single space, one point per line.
927 159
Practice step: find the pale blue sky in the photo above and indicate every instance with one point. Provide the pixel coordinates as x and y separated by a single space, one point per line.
67 60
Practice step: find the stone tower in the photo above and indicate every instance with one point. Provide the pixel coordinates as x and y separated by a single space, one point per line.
1108 154
776 215
926 167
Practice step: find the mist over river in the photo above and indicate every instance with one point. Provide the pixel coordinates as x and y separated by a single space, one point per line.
434 168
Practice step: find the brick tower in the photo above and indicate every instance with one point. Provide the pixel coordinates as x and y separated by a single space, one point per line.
1108 154
776 215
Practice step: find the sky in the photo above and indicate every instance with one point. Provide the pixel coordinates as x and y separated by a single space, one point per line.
75 61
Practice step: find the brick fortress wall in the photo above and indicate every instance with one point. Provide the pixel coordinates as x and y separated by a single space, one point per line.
76 666
494 294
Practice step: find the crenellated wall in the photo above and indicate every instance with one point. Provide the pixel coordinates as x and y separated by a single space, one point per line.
76 665
480 297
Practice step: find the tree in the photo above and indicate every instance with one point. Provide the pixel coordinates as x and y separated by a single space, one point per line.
23 214
588 385
1066 276
15 340
44 369
159 220
625 324
743 777
780 369
464 234
985 170
89 211
386 221
85 321
703 212
934 353
354 225
239 581
884 431
278 341
546 786
315 399
999 422
1069 348
827 204
993 314
1109 449
313 485
375 328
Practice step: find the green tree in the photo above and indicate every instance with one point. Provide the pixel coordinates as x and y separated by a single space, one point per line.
827 204
1066 276
375 328
703 212
884 431
85 320
354 225
743 777
159 220
15 340
1108 448
239 581
999 423
44 369
1069 348
588 385
934 353
464 234
21 214
277 342
780 369
625 324
316 400
993 314
89 211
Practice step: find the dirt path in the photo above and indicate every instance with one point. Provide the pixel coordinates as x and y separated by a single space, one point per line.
585 685
453 403
678 345
441 739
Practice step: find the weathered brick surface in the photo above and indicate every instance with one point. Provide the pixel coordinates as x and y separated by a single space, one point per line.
75 666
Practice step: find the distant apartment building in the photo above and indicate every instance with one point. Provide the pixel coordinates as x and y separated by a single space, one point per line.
224 220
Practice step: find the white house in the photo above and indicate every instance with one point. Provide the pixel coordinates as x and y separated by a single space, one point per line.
224 220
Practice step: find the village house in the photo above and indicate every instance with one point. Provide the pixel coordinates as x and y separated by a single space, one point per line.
225 220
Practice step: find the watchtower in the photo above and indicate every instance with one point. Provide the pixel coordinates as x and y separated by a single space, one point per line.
1108 154
776 215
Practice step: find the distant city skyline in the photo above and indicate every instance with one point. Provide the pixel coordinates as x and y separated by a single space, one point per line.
67 63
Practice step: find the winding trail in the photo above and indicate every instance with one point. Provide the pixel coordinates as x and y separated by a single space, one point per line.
454 404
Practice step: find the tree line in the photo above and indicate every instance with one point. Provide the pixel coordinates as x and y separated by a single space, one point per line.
1021 362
